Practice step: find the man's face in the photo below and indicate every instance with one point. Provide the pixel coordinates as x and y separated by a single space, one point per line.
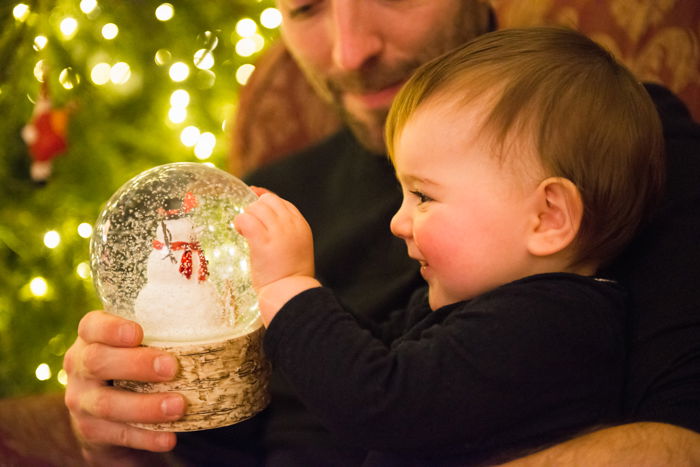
358 53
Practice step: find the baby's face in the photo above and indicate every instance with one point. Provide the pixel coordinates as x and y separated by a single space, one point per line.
465 214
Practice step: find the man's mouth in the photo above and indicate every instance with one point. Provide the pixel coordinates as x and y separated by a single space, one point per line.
373 100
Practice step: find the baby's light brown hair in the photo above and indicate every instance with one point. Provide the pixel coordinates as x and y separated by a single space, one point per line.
584 114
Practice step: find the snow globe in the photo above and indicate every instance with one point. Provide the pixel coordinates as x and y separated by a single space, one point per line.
165 253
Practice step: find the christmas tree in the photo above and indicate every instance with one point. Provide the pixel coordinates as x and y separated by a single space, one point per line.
91 94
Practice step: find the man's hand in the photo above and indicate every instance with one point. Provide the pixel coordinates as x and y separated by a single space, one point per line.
281 251
107 348
638 444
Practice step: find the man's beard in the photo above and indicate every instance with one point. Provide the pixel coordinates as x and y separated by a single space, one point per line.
375 75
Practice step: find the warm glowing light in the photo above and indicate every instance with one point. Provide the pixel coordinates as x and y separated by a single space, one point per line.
85 230
40 42
165 12
68 27
271 18
205 146
180 98
68 78
189 136
177 114
100 73
38 286
179 72
162 57
246 47
120 73
52 239
21 12
259 42
39 71
203 59
43 372
110 31
246 27
88 6
83 270
62 377
243 73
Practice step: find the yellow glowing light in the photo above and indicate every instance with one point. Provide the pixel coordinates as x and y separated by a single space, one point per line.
246 27
100 73
85 230
68 27
165 12
83 270
246 47
259 42
120 73
52 239
180 98
43 372
203 59
40 42
38 286
68 78
189 136
177 114
110 31
62 377
205 146
21 12
243 73
88 6
39 71
162 57
179 72
202 151
271 18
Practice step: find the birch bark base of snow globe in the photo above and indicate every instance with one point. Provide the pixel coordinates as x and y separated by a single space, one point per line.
165 253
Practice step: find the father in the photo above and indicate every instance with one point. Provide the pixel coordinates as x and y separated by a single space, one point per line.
357 54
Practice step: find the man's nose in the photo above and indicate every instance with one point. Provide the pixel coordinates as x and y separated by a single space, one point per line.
356 39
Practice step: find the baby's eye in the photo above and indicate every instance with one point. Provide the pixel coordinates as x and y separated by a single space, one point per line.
422 198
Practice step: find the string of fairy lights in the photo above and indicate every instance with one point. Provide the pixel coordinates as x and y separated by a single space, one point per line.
119 76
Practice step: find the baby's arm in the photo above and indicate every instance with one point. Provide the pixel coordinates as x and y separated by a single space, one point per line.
281 251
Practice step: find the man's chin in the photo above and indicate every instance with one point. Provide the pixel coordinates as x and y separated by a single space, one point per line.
369 135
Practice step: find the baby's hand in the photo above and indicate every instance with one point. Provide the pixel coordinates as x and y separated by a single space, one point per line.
281 251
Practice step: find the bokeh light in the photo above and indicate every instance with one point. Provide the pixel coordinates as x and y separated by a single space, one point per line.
110 31
179 72
21 12
69 27
52 239
100 73
38 286
189 135
85 230
243 73
165 12
246 27
120 73
40 42
271 18
43 372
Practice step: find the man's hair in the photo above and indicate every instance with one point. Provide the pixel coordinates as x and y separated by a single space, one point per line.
586 116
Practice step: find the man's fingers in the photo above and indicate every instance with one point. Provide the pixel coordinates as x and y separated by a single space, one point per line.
103 435
98 326
103 362
116 405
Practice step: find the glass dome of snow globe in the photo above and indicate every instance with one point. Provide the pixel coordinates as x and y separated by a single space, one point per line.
165 253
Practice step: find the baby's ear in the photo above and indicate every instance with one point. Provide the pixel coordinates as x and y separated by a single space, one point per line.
558 210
